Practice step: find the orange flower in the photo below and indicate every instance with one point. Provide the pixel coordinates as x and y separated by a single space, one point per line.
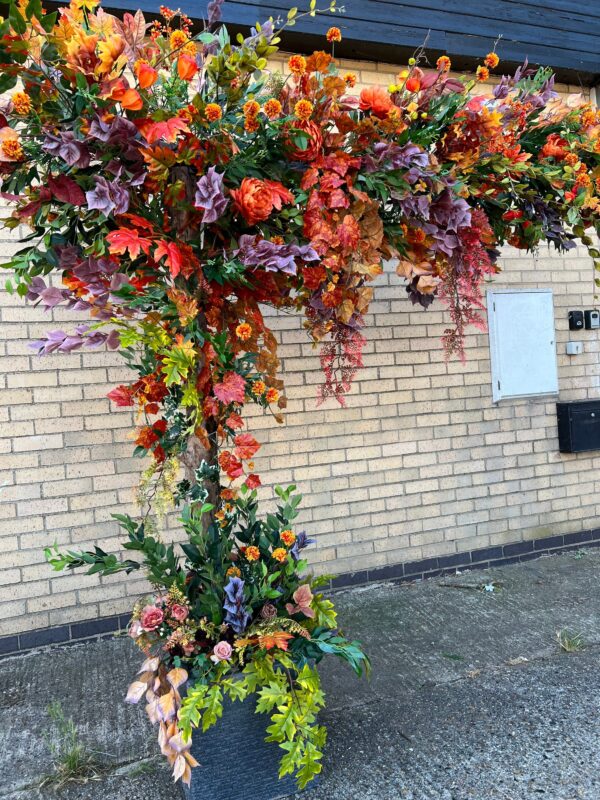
350 79
186 67
213 112
178 39
233 572
251 125
413 84
251 109
145 74
243 331
12 150
416 236
130 99
314 145
571 159
272 395
482 73
258 388
303 109
252 553
256 199
491 60
21 103
443 64
334 35
279 554
272 108
297 64
288 538
555 147
376 100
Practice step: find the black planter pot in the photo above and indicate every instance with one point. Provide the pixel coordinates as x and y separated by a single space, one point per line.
235 761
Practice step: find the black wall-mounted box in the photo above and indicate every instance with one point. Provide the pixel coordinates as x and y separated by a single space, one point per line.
578 426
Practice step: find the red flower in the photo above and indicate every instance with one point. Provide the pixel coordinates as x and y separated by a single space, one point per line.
160 426
376 100
313 146
252 481
230 465
146 438
121 396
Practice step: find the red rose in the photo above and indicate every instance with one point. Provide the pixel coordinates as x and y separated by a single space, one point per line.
151 617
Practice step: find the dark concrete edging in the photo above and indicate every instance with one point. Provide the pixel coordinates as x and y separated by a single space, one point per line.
74 632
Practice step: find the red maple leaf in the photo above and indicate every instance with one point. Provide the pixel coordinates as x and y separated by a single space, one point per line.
174 256
234 421
125 240
230 465
168 130
277 639
121 396
245 446
232 388
253 481
349 233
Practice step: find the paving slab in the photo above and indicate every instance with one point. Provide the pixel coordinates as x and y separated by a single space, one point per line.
470 698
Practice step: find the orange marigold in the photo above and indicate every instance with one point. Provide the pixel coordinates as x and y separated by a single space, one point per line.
288 538
252 553
234 572
443 64
213 112
243 331
334 35
251 109
21 103
12 150
350 79
280 554
272 396
272 108
297 64
177 39
571 159
258 388
491 60
482 73
303 109
251 125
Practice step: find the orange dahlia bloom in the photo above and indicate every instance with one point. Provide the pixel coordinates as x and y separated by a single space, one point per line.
297 64
213 112
256 199
252 553
555 147
280 554
303 109
272 396
491 60
314 145
376 100
21 103
272 108
334 35
288 537
482 73
443 64
243 331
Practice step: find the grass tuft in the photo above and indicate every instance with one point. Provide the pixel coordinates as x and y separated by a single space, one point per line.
73 762
569 642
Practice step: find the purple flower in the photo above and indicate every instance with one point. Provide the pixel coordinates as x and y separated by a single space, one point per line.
301 542
108 197
210 197
236 613
67 147
254 252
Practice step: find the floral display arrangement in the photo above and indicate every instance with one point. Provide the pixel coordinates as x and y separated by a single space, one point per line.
175 186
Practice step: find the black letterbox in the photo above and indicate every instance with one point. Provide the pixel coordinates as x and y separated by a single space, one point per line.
578 426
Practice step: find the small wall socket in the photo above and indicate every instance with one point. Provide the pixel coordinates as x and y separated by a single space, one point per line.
574 348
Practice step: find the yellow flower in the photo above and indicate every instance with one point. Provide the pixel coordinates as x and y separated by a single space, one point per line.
303 109
272 396
482 73
280 554
252 553
21 103
443 64
177 40
258 388
213 112
88 5
350 79
233 572
243 331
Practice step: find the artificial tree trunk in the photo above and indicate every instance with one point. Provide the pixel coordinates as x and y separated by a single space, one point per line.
183 181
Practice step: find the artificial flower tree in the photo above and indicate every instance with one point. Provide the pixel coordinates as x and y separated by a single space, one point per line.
177 187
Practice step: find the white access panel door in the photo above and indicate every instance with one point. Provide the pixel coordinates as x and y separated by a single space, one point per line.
522 343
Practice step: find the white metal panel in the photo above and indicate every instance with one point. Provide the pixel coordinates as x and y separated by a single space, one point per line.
522 343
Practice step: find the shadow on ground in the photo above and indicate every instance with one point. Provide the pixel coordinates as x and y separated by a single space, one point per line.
470 699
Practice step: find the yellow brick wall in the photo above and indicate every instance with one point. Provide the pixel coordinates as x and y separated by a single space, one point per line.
420 463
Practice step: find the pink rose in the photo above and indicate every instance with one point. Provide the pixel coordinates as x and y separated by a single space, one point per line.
222 652
151 617
135 629
179 612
